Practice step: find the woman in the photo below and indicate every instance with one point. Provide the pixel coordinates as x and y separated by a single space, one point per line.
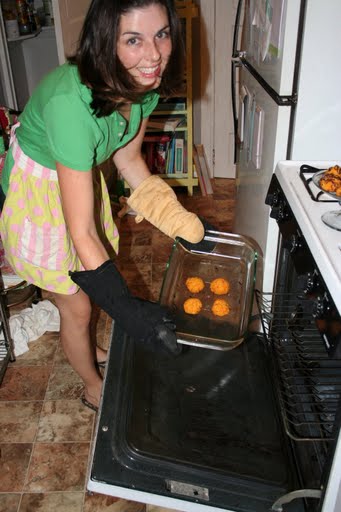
95 104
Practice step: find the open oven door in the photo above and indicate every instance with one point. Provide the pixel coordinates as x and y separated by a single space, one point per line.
198 432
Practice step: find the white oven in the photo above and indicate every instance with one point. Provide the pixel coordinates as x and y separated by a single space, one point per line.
253 429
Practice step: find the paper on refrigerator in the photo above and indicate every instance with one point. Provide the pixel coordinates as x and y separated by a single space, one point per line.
243 112
257 137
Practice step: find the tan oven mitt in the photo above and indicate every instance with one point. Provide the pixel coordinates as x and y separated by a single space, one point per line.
155 201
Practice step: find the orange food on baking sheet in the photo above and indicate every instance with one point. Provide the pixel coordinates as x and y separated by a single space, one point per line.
220 307
195 284
220 286
331 180
192 306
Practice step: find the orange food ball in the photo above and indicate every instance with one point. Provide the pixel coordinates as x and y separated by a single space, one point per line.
192 306
220 286
195 284
220 307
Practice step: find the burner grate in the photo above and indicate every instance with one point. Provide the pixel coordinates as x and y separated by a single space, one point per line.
306 174
308 382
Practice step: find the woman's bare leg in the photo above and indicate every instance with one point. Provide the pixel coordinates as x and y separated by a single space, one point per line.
75 315
101 353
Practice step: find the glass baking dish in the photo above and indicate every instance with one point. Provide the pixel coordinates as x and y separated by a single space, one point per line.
233 258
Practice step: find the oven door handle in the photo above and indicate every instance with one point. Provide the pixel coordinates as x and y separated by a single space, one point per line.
288 498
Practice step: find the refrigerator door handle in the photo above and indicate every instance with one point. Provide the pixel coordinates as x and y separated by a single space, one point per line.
235 50
285 101
235 62
234 65
240 55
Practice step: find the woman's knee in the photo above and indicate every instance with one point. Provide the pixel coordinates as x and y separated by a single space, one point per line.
74 308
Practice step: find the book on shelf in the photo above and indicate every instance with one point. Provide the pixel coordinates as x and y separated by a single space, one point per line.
185 157
155 150
179 155
165 153
171 104
161 150
166 123
170 157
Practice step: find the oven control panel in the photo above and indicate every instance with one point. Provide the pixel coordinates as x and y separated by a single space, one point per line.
279 207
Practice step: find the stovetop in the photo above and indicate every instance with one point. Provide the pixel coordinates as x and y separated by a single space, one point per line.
316 194
323 241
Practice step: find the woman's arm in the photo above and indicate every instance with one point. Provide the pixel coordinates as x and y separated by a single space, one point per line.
152 198
78 199
78 206
129 161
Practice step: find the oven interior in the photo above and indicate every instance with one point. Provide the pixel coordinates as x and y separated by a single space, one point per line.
239 429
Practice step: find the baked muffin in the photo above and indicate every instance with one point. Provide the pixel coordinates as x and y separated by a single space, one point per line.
220 307
331 180
195 284
334 171
192 306
220 286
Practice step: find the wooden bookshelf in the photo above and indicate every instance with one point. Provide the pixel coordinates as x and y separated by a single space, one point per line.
182 108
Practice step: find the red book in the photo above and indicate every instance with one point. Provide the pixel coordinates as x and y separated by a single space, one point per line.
156 147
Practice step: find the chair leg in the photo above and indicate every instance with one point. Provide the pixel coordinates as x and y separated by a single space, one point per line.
5 327
39 295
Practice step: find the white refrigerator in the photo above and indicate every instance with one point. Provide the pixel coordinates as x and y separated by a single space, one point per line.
286 98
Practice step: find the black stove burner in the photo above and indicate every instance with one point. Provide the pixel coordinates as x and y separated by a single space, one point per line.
306 172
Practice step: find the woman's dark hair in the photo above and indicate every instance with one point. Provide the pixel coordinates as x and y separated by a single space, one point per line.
99 66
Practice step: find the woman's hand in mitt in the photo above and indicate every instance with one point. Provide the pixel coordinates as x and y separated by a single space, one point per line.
144 321
205 245
156 201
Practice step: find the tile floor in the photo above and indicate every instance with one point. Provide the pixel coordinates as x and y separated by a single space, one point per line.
45 431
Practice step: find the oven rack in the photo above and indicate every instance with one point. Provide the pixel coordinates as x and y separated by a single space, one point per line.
307 380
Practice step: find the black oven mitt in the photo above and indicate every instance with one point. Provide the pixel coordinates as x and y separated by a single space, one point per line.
144 321
204 245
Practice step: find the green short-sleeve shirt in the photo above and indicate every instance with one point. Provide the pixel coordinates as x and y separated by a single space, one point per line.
58 125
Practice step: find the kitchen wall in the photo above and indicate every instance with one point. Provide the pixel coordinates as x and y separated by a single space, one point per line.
212 48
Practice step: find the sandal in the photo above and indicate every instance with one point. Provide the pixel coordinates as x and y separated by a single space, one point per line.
89 404
101 364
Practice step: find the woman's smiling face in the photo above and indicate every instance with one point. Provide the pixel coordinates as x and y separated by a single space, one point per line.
144 44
